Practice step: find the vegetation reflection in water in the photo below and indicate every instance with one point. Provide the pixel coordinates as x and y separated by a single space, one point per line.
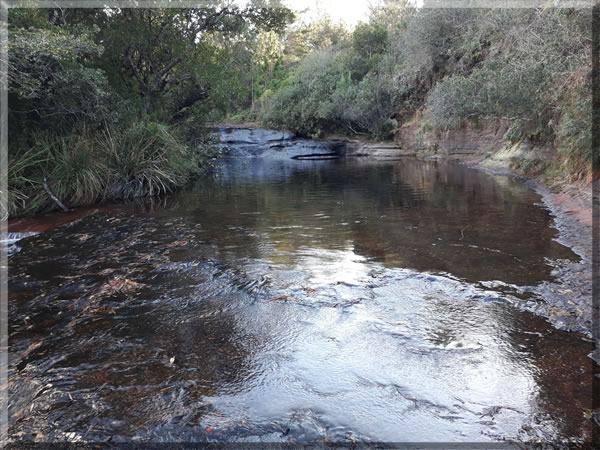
298 301
412 214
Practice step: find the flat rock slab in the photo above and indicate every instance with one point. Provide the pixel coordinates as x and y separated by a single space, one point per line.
252 136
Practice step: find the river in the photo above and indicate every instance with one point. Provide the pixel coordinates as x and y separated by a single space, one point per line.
290 300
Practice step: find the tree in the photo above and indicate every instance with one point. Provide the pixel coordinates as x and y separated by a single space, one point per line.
50 76
391 14
157 50
100 99
369 40
307 37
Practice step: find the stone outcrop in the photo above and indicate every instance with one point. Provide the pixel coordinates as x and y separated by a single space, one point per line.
252 136
377 150
275 144
485 137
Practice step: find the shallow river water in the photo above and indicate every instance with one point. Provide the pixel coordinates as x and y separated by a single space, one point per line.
291 301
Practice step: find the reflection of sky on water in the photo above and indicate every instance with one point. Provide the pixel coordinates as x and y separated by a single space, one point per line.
417 362
427 216
331 266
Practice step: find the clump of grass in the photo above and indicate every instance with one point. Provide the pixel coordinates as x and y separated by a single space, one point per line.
532 167
146 159
76 170
23 172
141 160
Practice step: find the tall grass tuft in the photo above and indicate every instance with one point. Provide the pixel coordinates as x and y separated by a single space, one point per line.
75 170
141 160
23 173
146 159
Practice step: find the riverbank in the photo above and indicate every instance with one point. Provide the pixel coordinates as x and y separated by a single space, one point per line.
569 299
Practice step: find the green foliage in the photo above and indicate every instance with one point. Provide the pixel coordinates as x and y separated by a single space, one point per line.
369 40
487 93
529 166
75 169
174 58
522 66
450 102
367 105
574 133
34 54
330 91
23 175
143 159
107 103
533 51
305 38
514 133
103 103
48 77
303 103
391 14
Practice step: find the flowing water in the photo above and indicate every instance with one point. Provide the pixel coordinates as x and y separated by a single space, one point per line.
289 300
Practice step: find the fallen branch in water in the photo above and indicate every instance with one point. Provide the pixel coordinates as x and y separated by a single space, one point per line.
53 197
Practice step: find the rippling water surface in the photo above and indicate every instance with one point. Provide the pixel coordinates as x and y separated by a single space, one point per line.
296 301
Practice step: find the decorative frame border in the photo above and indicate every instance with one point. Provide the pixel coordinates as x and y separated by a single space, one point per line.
447 4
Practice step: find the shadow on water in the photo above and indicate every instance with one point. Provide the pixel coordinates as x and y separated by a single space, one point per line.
297 301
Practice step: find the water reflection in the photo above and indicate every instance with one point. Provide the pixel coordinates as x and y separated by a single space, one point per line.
297 302
415 214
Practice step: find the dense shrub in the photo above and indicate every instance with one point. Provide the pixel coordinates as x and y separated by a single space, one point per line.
342 89
303 103
524 66
490 92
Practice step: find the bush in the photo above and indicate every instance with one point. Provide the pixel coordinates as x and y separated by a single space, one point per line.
529 166
491 92
75 169
303 103
23 170
523 66
47 75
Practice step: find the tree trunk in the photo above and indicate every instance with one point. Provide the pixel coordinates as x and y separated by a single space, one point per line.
147 104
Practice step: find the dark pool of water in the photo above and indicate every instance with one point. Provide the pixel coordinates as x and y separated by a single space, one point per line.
298 301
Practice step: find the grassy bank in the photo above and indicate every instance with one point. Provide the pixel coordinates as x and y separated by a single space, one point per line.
94 166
